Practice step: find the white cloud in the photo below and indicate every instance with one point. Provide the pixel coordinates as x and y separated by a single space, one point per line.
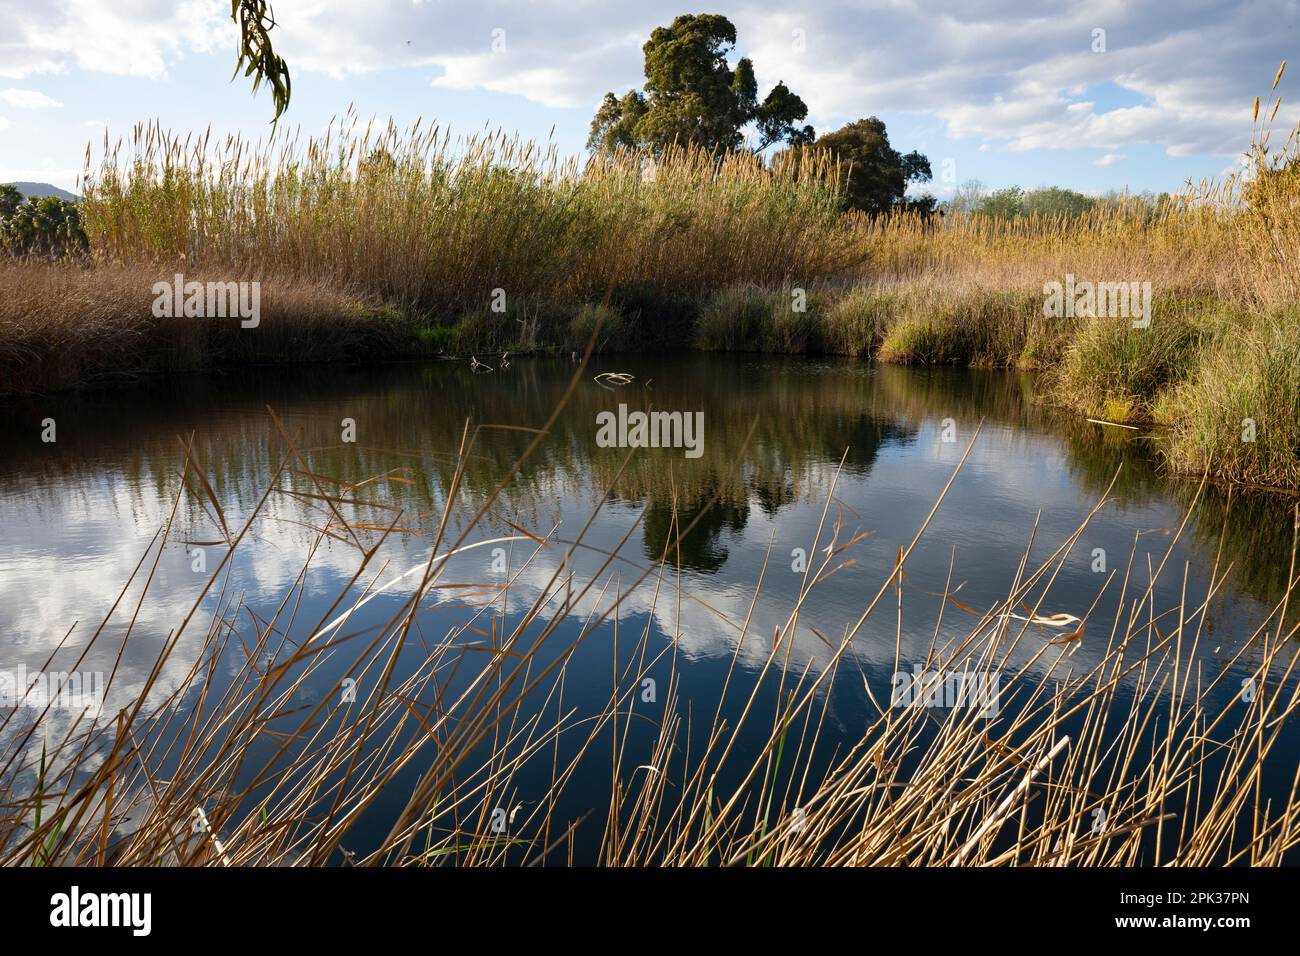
127 37
1110 159
28 99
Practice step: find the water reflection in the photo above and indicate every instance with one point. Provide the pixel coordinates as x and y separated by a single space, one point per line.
79 513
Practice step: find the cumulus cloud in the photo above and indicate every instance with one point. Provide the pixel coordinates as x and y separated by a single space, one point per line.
989 71
1110 159
128 37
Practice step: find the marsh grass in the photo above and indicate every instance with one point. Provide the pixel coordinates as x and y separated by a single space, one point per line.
1239 409
487 243
855 320
448 719
969 327
739 319
601 321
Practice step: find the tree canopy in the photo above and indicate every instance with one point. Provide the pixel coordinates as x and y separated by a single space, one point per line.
10 200
46 226
1013 201
875 175
693 96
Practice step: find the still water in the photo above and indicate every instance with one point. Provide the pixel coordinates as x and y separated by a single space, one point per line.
786 445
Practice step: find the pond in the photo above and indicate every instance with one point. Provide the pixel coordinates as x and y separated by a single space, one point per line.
787 454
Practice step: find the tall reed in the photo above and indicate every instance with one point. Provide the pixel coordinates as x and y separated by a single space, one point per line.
426 221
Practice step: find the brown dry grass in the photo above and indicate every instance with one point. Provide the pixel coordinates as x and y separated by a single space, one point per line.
69 324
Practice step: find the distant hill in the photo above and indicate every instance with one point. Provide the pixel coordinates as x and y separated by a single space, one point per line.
41 190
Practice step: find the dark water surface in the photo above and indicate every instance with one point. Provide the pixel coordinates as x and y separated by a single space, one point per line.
78 513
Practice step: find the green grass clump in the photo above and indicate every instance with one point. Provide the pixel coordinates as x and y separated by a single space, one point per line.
794 324
1249 376
752 319
855 321
438 338
483 330
1116 372
736 319
602 320
975 326
654 319
1045 343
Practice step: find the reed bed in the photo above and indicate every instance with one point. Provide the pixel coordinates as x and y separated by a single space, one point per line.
428 222
444 728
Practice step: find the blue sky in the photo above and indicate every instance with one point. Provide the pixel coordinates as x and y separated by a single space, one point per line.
1000 92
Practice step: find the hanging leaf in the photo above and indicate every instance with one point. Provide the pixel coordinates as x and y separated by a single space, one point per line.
256 56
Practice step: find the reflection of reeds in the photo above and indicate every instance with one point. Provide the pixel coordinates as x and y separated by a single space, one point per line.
1134 759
